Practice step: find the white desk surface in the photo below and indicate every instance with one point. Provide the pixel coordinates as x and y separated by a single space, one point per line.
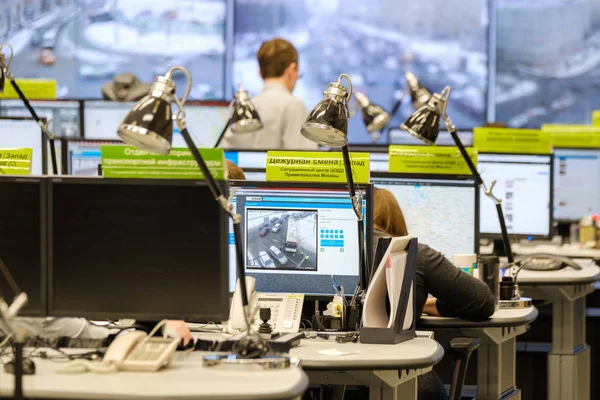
186 378
501 318
590 272
567 250
420 352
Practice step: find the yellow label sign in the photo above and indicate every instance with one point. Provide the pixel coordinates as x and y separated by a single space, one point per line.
15 161
575 136
510 140
315 167
33 89
430 160
596 117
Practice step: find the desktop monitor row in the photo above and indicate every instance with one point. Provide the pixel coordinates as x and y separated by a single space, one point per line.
98 119
153 249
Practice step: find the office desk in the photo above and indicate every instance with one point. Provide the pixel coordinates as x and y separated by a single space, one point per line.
388 370
185 379
569 361
496 372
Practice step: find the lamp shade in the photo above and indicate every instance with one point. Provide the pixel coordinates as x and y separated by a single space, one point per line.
149 125
327 123
244 118
424 124
374 116
419 95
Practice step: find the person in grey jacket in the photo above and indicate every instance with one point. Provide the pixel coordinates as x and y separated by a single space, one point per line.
455 293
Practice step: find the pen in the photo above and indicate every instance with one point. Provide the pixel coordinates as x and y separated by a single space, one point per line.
353 301
341 289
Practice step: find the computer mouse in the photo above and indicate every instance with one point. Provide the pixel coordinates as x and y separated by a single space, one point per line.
28 367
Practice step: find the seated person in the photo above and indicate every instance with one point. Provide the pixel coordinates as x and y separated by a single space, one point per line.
455 293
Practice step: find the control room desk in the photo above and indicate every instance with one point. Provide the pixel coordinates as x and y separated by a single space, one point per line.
496 372
186 378
569 361
390 371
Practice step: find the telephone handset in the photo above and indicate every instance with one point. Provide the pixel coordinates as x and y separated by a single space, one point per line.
237 320
286 310
130 351
546 262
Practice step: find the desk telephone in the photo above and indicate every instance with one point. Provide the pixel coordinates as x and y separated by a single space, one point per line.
130 351
286 309
546 262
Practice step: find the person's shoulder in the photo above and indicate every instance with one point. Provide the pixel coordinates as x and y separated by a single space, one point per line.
296 103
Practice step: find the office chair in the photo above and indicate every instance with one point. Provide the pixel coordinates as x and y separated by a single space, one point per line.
461 348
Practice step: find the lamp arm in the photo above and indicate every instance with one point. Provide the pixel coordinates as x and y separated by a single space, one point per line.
356 197
41 122
488 191
223 132
189 79
225 203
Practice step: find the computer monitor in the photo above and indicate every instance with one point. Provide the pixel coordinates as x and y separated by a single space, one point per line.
23 239
136 248
399 136
524 184
63 115
204 121
102 118
81 157
255 159
296 235
442 211
576 183
22 132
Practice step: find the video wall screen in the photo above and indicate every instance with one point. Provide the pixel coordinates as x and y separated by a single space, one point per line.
547 61
374 42
83 43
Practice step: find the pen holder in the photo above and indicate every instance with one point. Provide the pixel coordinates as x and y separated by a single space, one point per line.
332 323
352 318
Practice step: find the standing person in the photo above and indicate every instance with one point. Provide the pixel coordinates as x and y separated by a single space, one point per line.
281 113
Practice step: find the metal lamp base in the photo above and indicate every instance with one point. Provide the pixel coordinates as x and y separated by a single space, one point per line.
523 302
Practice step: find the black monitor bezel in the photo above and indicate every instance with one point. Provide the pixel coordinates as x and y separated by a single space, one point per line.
213 315
485 235
42 182
466 178
367 188
565 220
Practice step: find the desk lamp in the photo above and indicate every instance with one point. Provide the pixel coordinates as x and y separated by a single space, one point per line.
376 118
424 124
149 126
327 125
5 74
244 118
8 315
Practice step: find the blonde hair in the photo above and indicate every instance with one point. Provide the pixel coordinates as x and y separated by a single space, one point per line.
235 172
387 215
274 56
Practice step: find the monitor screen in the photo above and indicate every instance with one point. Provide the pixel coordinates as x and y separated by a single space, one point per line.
144 249
23 239
574 194
84 44
374 42
524 184
82 157
296 235
63 116
247 158
546 62
441 211
16 132
204 122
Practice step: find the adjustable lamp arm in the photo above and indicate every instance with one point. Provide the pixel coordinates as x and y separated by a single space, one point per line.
488 191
